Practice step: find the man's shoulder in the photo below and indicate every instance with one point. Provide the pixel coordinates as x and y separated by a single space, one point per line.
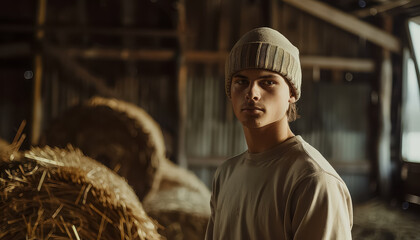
309 161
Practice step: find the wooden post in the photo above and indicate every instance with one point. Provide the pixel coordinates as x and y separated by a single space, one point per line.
37 98
384 141
274 12
182 86
129 82
225 30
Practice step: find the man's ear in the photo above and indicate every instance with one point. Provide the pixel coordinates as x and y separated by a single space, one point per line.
292 99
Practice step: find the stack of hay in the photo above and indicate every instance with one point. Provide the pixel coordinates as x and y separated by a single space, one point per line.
120 135
3 143
181 204
51 193
4 148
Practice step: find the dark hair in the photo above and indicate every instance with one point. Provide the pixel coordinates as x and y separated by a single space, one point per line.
292 113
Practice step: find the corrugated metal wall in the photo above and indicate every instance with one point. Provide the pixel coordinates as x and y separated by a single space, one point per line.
334 119
334 104
338 120
211 128
152 91
334 112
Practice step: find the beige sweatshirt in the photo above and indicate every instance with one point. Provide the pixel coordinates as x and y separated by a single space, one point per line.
287 192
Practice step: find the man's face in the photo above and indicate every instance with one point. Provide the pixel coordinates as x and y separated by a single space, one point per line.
260 97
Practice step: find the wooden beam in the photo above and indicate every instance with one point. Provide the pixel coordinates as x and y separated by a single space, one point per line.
38 65
385 125
211 57
37 100
79 71
337 63
274 14
348 23
206 56
225 31
372 11
123 54
89 30
147 54
182 85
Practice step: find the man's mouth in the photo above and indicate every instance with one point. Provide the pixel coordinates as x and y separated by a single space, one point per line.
252 109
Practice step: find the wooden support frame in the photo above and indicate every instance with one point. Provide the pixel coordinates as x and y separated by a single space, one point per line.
38 65
123 54
90 30
338 63
384 170
182 86
348 23
206 56
387 6
211 57
78 70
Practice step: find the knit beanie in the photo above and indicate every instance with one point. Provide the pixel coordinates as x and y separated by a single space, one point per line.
265 48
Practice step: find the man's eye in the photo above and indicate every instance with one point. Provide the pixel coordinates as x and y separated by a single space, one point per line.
269 82
240 82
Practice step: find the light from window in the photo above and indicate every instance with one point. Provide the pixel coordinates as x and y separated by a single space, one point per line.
411 100
414 27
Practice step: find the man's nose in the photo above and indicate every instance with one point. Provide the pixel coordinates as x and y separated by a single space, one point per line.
253 92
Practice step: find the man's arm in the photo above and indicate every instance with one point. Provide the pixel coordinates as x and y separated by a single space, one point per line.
210 225
209 232
322 209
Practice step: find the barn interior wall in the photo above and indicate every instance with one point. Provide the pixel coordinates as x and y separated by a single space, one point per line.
84 44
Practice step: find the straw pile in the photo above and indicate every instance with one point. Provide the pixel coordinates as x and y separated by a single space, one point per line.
10 151
51 193
120 135
3 143
3 148
181 204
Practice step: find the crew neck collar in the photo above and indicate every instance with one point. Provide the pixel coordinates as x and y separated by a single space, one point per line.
274 151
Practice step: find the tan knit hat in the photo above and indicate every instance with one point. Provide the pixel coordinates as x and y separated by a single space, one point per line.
265 48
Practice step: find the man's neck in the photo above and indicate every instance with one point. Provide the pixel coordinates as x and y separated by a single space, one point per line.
264 138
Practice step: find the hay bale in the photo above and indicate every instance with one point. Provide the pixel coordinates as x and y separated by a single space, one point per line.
3 143
181 204
172 176
4 148
118 134
61 194
9 151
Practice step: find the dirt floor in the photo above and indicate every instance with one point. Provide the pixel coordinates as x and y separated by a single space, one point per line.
378 220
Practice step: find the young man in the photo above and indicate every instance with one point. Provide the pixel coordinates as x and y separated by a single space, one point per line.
281 187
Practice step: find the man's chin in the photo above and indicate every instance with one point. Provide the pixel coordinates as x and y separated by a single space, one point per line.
252 123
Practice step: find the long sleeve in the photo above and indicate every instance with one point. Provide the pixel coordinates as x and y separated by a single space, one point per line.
322 209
